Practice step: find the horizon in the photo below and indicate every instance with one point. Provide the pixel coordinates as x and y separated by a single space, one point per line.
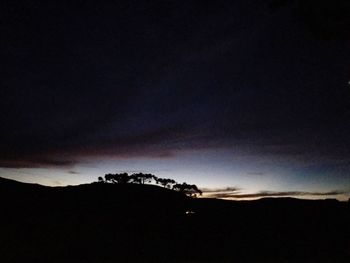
231 193
244 99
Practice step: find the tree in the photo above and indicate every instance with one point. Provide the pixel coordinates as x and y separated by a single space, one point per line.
122 178
165 182
141 178
100 179
188 189
109 178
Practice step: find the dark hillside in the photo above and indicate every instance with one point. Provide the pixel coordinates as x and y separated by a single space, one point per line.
102 222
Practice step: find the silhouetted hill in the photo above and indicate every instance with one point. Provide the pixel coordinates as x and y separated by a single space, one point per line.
145 223
8 185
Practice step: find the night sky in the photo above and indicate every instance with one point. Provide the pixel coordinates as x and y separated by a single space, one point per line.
243 98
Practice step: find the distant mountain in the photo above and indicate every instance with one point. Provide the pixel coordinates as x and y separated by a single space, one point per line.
5 183
102 222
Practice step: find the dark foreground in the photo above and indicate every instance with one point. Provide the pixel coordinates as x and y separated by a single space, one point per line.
140 223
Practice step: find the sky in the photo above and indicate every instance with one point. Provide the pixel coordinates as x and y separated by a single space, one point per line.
245 98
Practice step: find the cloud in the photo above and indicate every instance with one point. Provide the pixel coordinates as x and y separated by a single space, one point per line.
154 143
40 162
73 172
220 192
261 194
225 189
210 95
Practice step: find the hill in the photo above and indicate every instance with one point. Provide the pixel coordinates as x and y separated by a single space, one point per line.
145 223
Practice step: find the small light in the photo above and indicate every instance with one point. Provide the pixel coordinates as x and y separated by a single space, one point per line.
189 212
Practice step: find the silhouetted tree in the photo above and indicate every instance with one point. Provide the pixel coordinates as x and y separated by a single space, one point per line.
135 179
100 179
109 178
188 189
165 182
122 178
141 178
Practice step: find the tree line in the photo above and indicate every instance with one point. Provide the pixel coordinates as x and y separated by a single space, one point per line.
141 178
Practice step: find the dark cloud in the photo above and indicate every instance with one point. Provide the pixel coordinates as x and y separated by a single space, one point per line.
220 190
73 172
152 78
261 194
39 162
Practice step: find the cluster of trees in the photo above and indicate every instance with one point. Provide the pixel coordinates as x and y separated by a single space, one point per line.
188 189
124 178
141 178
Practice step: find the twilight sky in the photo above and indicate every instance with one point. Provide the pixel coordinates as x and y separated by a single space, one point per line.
243 98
